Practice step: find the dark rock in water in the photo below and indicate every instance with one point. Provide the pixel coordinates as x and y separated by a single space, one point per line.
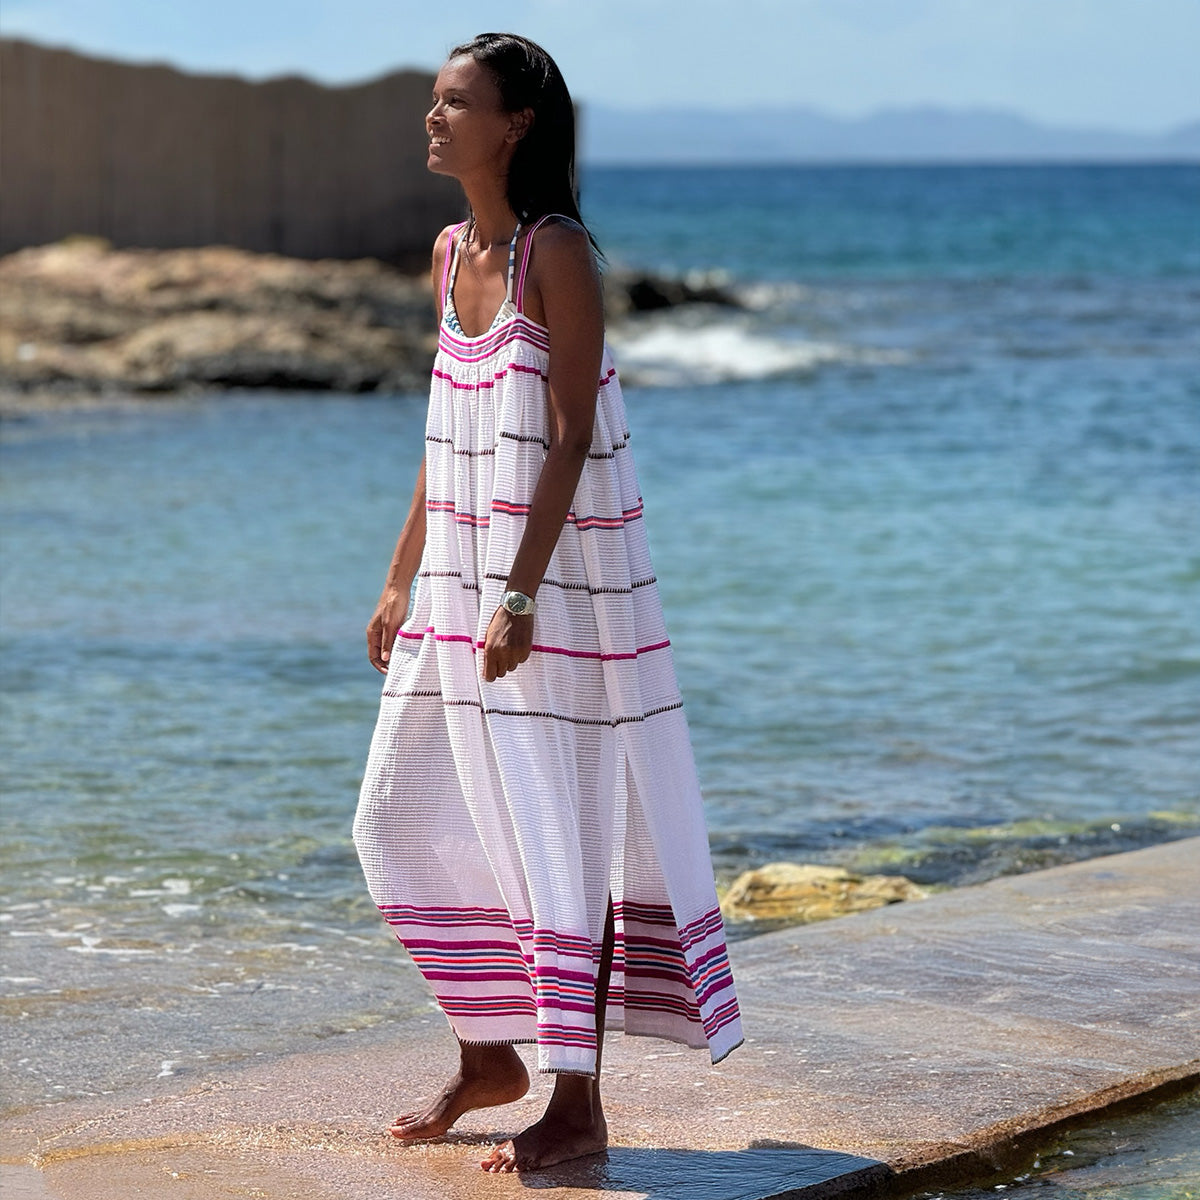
633 292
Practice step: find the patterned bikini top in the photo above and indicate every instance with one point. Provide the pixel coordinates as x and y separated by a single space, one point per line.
507 307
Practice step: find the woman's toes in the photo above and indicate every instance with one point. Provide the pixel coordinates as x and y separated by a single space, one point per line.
502 1159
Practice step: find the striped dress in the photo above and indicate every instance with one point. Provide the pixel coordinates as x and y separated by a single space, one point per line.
496 819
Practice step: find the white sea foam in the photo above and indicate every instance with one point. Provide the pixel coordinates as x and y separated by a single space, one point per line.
73 932
119 951
169 887
762 296
678 352
92 945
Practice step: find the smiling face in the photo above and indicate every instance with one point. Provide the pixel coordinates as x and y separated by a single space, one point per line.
469 129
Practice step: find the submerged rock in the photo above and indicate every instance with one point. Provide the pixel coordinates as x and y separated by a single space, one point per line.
801 893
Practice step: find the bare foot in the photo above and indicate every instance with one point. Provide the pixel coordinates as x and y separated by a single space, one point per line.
552 1140
487 1076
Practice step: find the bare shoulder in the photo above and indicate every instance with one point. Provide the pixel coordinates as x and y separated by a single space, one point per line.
441 246
563 243
563 275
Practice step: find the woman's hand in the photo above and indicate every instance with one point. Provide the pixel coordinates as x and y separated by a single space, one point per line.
381 629
507 644
393 604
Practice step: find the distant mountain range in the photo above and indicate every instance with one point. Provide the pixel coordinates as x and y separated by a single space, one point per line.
924 134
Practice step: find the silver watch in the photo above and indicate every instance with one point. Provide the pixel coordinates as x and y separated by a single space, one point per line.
517 603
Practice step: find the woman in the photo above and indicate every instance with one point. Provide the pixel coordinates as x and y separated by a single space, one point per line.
530 821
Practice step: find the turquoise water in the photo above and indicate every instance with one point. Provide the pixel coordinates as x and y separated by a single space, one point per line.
903 223
926 515
1153 1154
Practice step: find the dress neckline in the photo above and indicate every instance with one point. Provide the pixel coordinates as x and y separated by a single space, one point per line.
507 309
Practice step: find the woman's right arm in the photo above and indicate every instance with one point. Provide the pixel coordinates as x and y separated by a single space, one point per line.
393 601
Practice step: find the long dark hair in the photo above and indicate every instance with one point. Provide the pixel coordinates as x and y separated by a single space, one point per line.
541 175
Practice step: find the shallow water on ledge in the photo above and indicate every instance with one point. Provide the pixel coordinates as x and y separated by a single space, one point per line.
1149 1155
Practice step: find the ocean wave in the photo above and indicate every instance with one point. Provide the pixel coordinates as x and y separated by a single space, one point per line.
765 295
676 350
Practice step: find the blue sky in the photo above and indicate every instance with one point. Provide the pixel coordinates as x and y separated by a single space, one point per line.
1120 64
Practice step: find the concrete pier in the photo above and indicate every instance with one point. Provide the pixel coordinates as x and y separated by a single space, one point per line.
891 1051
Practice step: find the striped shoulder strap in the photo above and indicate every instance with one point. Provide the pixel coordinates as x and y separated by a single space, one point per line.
520 297
451 251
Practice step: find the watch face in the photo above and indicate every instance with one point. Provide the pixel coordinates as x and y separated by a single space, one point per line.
516 604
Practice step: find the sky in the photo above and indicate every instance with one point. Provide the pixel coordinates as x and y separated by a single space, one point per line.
1117 64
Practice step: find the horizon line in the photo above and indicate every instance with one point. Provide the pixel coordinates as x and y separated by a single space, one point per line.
741 109
862 163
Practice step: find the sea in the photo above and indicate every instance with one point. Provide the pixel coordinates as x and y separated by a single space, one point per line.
925 509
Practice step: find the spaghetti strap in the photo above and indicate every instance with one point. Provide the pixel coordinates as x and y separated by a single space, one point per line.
520 296
512 260
450 248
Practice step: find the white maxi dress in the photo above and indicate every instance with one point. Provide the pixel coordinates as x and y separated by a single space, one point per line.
496 819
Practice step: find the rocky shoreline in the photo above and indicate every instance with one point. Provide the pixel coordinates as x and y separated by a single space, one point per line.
81 320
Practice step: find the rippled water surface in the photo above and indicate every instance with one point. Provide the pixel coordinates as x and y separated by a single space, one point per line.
926 515
1149 1155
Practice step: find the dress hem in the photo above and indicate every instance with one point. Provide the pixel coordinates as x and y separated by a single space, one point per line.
521 1041
725 1054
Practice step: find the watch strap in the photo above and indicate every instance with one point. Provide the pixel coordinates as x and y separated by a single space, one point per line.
517 603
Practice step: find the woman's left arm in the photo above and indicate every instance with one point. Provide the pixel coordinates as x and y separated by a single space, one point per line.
567 279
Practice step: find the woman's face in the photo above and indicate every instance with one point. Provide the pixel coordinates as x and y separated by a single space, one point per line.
468 128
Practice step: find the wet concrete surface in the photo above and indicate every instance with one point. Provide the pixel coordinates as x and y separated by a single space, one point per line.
901 1048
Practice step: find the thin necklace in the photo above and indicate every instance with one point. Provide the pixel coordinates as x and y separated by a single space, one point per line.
471 230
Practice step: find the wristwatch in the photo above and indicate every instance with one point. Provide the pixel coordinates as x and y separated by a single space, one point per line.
517 603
